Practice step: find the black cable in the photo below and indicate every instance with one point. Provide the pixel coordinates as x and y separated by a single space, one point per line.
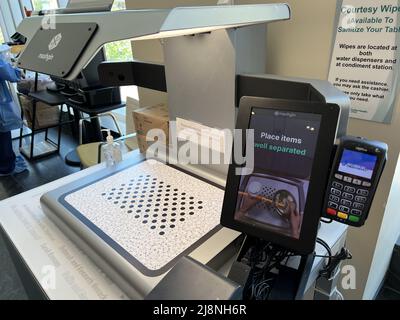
327 272
328 249
262 258
333 261
324 244
252 261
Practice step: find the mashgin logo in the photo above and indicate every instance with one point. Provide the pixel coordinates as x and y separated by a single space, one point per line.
55 42
52 45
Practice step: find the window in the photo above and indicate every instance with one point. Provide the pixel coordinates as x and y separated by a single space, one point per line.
1 37
44 4
119 5
119 50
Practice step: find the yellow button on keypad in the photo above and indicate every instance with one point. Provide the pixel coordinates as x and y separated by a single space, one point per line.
342 215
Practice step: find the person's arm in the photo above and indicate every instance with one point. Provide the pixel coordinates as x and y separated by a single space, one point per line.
8 72
296 219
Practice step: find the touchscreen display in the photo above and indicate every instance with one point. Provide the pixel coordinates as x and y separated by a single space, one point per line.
357 163
273 197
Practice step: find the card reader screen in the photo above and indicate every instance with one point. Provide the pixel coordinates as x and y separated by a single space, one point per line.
273 197
357 163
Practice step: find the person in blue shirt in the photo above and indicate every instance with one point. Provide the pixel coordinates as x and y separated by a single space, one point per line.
9 120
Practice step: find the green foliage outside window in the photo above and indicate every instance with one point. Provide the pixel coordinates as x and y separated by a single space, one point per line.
120 50
44 4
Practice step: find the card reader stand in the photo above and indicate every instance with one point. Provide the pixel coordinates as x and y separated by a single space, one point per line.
286 282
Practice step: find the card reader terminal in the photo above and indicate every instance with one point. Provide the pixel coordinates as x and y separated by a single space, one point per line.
356 171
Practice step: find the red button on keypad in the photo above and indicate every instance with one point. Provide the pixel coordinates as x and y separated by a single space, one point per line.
331 212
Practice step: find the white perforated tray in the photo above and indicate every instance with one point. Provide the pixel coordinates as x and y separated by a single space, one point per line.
153 211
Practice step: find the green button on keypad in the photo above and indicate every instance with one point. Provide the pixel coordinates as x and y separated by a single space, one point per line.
354 219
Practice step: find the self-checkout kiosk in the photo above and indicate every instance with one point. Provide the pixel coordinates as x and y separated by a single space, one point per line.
141 220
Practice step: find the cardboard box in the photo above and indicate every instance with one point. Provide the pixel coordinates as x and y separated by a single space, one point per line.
148 118
46 116
154 117
143 143
131 105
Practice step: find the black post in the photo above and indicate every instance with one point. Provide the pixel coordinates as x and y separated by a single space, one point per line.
59 127
34 104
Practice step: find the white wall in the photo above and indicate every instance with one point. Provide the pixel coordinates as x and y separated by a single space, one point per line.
388 235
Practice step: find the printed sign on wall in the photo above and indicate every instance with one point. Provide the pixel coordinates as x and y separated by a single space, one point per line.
365 60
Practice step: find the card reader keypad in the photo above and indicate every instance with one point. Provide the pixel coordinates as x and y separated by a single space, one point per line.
347 198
